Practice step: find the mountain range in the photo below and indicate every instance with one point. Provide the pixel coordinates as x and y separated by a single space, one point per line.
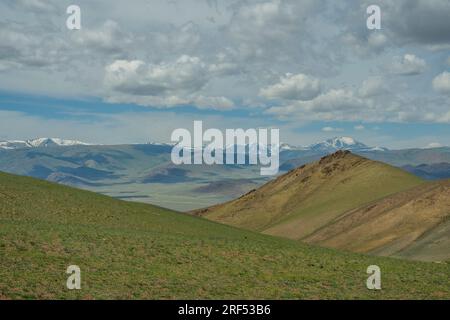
40 142
341 143
145 172
333 144
434 171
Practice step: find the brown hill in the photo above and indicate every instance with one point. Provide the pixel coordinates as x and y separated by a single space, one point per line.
412 224
299 203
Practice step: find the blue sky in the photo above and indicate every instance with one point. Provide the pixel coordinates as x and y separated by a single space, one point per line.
137 71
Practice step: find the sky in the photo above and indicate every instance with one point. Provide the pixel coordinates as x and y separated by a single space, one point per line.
139 69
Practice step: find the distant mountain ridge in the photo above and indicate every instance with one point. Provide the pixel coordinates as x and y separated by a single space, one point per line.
135 171
342 143
433 171
329 146
40 142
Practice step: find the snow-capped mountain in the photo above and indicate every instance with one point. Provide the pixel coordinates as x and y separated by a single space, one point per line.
40 142
330 145
286 147
342 143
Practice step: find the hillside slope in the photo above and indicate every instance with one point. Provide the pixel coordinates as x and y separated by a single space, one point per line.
305 199
414 224
136 251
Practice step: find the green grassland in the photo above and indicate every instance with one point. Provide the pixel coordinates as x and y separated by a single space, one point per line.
137 251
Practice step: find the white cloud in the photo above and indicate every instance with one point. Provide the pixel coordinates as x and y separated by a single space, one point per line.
108 38
432 145
364 45
359 127
186 74
333 100
372 87
441 83
223 65
332 129
336 104
293 87
235 52
217 103
162 85
407 65
346 105
377 40
36 5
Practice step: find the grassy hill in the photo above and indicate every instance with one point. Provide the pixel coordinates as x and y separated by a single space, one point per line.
131 250
414 224
305 199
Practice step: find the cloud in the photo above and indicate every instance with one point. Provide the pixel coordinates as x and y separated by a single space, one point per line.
235 52
224 66
403 23
349 105
336 104
108 39
293 87
334 100
186 74
279 33
331 129
21 48
36 5
258 25
359 127
377 40
433 145
371 87
408 65
420 21
441 83
363 44
198 101
170 84
217 103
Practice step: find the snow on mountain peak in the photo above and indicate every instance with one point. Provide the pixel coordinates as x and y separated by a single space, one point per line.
54 142
346 140
340 143
39 142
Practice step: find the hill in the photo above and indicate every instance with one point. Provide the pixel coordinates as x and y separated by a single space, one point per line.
307 198
413 224
136 251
